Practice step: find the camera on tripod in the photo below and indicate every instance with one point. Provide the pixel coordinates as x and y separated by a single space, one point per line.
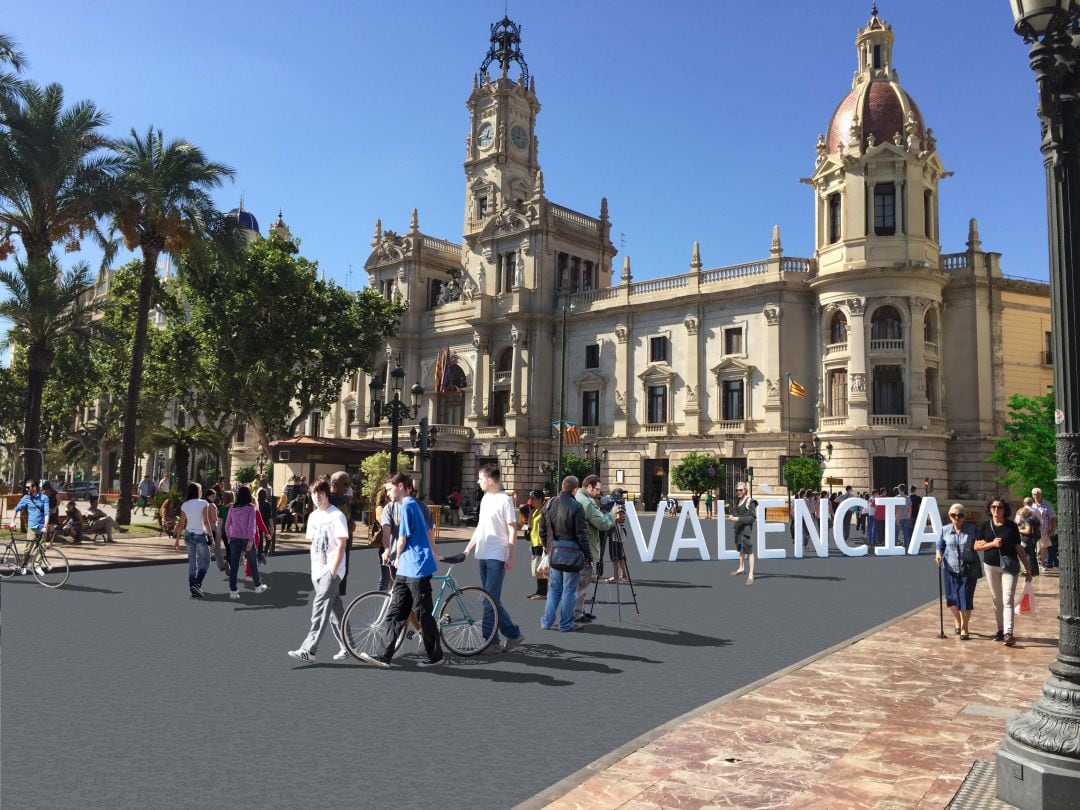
616 500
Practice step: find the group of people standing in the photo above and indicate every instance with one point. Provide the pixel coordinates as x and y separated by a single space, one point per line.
1011 546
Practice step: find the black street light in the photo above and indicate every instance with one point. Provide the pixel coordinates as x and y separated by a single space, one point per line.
423 439
512 457
1038 764
817 454
595 454
260 462
566 308
394 411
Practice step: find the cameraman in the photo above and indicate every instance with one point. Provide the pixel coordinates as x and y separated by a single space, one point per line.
588 495
617 505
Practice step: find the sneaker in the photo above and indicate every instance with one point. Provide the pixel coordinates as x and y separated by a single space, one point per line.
371 660
536 596
426 664
513 642
302 655
999 635
261 588
234 594
39 571
341 655
195 590
122 529
1009 640
494 648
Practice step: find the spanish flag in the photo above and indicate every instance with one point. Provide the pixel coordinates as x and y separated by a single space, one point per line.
795 389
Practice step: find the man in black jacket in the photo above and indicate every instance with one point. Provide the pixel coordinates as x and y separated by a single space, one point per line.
744 515
562 525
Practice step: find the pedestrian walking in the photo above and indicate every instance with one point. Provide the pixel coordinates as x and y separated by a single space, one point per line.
563 528
147 490
960 568
223 507
327 530
1003 552
708 504
339 485
194 527
493 541
390 523
244 526
744 516
1044 510
414 551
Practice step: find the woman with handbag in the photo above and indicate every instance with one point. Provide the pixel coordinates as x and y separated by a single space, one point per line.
1003 551
960 567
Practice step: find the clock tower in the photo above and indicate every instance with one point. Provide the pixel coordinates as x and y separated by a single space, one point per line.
501 158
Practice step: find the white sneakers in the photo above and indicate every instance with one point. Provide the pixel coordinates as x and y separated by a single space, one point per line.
341 655
234 594
261 588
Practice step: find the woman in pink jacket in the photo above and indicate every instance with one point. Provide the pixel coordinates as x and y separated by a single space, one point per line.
241 527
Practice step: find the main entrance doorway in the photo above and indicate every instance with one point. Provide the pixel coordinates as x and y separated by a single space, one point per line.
890 471
655 481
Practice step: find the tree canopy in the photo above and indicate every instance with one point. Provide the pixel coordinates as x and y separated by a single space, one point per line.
802 473
1027 452
692 473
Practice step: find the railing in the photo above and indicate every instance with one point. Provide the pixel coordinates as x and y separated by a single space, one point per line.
734 271
454 431
790 264
602 294
490 432
657 427
835 348
731 426
833 421
952 262
890 345
573 217
442 245
658 284
502 377
902 420
931 347
937 421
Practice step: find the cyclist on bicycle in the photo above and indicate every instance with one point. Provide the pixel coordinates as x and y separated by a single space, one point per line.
36 505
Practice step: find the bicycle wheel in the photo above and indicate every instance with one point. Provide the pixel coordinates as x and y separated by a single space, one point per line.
9 562
461 621
364 624
50 567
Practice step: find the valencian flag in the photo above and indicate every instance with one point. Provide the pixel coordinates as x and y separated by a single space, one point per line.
571 435
442 370
795 389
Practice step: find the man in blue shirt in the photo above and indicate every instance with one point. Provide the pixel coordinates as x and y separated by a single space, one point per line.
415 552
36 505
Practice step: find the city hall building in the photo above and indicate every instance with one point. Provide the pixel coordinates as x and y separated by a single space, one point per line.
906 355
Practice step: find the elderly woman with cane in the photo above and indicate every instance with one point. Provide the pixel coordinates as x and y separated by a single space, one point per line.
960 567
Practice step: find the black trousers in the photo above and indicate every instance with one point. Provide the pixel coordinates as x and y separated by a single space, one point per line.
410 593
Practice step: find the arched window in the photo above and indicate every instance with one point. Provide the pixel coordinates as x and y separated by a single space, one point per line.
450 402
838 328
886 324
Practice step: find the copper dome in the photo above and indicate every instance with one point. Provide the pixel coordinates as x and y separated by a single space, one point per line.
881 113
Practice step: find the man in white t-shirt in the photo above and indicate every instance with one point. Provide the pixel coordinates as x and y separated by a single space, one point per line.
493 539
328 531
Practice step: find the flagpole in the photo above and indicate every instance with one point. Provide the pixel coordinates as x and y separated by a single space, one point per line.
562 402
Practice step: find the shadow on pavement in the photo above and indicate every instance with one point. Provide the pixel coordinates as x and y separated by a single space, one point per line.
681 638
758 576
66 587
287 589
656 583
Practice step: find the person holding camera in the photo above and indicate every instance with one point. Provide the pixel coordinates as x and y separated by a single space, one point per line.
563 529
597 521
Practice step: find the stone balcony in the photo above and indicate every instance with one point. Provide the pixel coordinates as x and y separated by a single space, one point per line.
890 420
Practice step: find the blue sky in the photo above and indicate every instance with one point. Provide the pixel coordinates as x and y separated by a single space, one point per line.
694 119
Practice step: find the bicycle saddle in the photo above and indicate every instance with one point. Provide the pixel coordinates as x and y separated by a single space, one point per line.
453 559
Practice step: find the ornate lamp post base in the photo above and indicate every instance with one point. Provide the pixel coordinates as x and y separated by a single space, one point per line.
1029 771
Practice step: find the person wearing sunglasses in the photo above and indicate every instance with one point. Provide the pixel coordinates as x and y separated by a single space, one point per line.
744 516
955 547
1003 552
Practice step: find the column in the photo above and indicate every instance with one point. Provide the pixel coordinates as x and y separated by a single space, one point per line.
918 401
692 407
624 381
515 371
858 371
776 420
478 378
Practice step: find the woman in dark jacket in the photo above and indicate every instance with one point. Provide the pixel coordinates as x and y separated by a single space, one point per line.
744 516
1003 553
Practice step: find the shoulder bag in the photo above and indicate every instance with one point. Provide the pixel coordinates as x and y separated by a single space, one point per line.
1009 563
970 565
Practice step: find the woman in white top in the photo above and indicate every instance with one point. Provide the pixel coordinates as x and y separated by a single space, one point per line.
195 526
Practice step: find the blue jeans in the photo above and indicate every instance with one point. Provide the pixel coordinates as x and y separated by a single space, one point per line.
236 552
562 592
198 557
492 573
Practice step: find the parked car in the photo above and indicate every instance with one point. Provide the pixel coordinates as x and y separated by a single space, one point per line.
80 490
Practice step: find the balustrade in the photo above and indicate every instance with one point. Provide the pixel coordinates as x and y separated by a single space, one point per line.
890 420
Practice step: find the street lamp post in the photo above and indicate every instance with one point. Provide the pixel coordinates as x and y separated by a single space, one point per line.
423 439
1038 764
394 411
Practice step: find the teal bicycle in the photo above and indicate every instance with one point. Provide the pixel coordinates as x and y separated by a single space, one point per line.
467 618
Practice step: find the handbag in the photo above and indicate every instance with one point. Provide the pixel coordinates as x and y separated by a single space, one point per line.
567 556
1009 564
970 565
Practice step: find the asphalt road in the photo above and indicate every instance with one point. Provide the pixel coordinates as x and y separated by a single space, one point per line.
121 691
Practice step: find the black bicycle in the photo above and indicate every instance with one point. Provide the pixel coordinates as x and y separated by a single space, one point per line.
48 564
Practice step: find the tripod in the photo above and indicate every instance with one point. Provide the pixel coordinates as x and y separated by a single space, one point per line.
614 540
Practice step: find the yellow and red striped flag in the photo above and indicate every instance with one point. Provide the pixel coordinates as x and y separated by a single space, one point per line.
571 434
795 389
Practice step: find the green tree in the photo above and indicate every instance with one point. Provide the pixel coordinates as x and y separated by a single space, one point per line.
692 473
575 465
164 207
44 308
55 177
1027 452
12 62
183 442
375 469
802 473
245 475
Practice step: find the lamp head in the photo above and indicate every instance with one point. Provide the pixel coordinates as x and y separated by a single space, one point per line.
416 393
397 379
1034 18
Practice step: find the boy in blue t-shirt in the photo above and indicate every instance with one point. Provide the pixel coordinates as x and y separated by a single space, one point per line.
415 551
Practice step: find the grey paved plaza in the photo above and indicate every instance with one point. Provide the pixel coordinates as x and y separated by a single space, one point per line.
122 691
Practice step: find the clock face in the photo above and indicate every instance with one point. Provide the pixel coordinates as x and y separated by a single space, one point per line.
485 136
519 137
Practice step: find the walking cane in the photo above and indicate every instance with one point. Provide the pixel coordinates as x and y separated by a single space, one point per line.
941 599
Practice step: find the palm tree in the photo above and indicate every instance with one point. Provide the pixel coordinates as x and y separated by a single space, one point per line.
43 306
164 207
12 62
182 441
55 179
95 441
